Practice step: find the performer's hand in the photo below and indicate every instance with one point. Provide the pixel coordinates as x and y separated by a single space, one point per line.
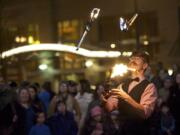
103 99
120 93
112 103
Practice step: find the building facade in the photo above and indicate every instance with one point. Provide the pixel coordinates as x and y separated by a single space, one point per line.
63 21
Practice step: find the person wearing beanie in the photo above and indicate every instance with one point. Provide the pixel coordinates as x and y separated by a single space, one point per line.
93 124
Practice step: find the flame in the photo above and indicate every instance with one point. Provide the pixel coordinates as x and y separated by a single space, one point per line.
120 70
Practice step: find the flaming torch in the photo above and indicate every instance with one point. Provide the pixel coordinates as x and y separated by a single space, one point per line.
93 16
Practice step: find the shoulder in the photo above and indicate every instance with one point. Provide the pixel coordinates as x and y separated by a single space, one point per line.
45 127
150 90
34 128
151 86
77 96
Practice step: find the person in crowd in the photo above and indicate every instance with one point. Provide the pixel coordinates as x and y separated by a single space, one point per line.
154 121
71 103
84 97
24 84
72 88
135 98
112 123
176 70
164 93
13 85
163 74
152 75
40 128
97 96
46 94
167 121
8 115
93 124
37 85
62 122
174 101
26 107
35 101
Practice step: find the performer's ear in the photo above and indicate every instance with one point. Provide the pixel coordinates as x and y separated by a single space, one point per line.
145 66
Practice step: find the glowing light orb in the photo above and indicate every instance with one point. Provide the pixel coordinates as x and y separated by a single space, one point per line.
120 70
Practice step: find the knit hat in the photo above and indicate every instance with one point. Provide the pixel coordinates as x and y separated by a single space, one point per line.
96 111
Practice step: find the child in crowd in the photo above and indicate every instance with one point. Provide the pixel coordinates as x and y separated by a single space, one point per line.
93 123
40 128
62 122
115 123
167 121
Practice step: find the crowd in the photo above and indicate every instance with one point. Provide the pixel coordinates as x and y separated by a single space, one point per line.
29 108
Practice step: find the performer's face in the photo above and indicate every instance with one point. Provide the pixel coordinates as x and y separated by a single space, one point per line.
138 64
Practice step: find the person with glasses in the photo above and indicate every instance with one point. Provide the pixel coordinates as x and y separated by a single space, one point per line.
135 98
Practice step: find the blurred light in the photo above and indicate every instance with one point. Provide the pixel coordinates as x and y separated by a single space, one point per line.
37 42
144 37
120 70
127 54
94 13
57 54
146 42
43 67
30 40
113 46
17 39
23 39
61 47
89 63
170 72
123 24
93 87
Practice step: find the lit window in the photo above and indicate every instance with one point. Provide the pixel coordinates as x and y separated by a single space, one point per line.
69 31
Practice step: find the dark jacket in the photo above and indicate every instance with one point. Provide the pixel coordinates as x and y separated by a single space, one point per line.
63 124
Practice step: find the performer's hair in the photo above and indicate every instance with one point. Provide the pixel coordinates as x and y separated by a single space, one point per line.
141 54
